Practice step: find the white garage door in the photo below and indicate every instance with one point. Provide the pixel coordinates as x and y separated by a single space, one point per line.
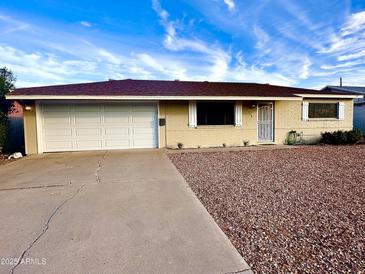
75 127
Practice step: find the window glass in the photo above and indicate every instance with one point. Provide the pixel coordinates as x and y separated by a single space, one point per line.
323 110
215 113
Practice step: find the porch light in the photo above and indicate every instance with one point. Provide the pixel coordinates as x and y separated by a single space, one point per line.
28 108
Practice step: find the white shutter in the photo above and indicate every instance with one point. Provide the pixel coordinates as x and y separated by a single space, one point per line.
192 114
238 114
341 111
305 108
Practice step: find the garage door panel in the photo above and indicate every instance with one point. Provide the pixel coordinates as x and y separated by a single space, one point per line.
117 108
56 108
74 127
58 132
56 120
87 144
82 132
120 143
143 119
116 131
143 143
119 118
81 119
91 108
142 131
61 145
59 138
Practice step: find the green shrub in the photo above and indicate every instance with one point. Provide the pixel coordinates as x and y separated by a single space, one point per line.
341 137
327 138
3 133
354 136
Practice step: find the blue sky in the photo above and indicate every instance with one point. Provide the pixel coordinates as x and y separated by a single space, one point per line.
299 43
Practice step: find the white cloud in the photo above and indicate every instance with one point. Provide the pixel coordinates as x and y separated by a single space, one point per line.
9 25
263 40
34 68
230 4
217 57
168 68
305 69
110 57
359 54
354 24
351 36
244 72
185 56
85 24
343 65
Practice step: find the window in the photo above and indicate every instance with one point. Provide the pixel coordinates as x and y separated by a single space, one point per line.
323 110
215 113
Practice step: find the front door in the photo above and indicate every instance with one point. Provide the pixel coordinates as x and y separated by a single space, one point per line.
265 122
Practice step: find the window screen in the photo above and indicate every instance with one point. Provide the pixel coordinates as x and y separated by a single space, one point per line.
323 110
215 113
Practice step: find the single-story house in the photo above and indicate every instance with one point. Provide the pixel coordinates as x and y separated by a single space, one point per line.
359 103
123 114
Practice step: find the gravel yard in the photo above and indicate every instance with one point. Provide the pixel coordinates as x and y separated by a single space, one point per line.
4 159
286 210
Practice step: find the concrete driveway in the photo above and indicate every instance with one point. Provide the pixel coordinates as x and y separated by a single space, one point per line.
107 212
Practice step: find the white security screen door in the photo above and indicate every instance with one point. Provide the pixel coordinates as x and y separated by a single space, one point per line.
265 125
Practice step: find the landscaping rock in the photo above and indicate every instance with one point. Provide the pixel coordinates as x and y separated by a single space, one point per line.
286 210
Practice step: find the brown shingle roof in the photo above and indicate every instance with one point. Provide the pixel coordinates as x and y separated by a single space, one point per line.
168 88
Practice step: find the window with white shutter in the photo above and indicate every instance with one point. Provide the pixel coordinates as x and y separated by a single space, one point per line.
192 114
238 114
215 113
341 111
305 107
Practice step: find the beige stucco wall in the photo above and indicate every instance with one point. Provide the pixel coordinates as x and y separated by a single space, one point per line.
30 130
287 117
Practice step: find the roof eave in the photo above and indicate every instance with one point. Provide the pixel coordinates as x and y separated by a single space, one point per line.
340 96
129 97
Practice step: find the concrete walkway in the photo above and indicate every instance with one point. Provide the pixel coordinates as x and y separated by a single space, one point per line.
107 212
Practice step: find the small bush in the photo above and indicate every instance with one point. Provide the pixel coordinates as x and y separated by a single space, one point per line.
3 133
341 137
354 136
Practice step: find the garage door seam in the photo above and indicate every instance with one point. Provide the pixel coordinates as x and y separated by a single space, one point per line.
45 228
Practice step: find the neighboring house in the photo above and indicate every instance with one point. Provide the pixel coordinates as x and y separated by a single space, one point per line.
15 141
359 103
122 114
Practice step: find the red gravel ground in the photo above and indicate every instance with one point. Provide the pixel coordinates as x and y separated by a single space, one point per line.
296 210
4 159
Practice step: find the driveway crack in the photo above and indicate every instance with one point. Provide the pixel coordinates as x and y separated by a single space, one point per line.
32 187
45 228
99 167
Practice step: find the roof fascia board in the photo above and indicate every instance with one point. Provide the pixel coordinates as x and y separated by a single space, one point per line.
342 96
91 97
